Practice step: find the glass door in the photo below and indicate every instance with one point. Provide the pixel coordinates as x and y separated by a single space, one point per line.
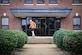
45 26
40 26
25 26
53 25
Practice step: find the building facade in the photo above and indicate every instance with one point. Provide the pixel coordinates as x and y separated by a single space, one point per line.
49 15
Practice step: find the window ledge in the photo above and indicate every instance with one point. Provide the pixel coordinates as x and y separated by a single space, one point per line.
28 4
40 4
53 4
76 4
4 4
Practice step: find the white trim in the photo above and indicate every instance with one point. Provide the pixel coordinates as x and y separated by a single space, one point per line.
4 4
28 4
40 4
52 4
76 4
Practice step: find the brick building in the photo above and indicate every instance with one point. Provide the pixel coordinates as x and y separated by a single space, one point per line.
49 15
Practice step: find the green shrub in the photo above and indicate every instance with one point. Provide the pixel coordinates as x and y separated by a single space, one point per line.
73 43
69 40
8 42
22 38
58 37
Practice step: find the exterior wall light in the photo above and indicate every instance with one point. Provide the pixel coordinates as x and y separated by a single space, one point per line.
4 14
77 14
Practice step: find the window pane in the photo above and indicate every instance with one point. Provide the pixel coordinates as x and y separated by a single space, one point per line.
76 21
5 27
76 27
51 22
76 1
4 21
24 22
28 20
52 1
40 1
29 1
5 1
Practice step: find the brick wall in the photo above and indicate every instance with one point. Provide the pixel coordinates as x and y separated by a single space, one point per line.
15 23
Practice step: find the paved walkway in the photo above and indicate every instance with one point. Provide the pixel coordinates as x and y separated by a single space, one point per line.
39 49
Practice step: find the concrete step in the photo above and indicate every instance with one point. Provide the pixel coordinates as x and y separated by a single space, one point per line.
40 40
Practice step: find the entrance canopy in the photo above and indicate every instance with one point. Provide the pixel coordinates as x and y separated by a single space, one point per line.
40 12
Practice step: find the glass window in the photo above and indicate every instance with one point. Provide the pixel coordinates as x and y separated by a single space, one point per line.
76 27
23 22
40 1
76 23
5 27
76 1
28 1
52 1
4 22
28 20
51 22
5 1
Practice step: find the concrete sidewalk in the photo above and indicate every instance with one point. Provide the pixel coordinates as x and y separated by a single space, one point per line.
39 49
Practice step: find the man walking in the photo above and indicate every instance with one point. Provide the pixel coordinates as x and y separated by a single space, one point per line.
32 26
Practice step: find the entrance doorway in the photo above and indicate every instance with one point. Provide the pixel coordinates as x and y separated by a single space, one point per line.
45 26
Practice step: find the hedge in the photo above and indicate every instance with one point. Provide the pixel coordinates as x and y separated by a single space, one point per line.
58 37
73 43
69 40
9 40
22 38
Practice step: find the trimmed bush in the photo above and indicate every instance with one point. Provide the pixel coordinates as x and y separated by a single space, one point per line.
22 38
8 42
73 43
59 35
69 40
